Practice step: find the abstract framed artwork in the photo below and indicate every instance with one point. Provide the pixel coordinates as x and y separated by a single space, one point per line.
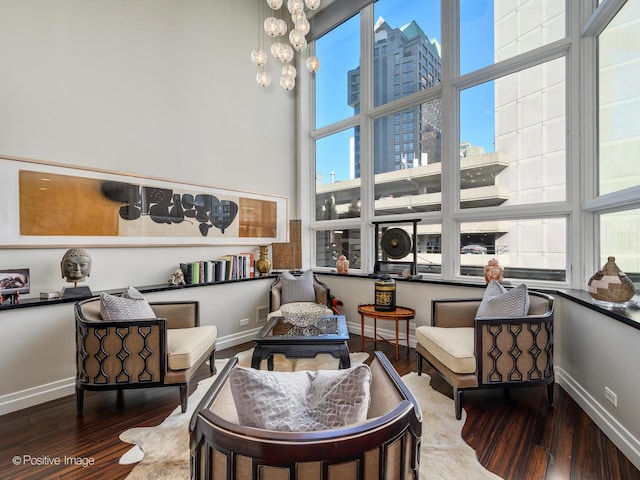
68 205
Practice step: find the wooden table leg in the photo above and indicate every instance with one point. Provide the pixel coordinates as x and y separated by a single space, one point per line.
362 332
397 337
407 335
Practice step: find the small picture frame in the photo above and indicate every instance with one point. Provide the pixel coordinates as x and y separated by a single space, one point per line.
14 281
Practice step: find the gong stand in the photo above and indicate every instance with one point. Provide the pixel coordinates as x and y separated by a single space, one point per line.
395 243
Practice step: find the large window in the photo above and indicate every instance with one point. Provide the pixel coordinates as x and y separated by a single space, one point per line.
619 101
618 133
495 156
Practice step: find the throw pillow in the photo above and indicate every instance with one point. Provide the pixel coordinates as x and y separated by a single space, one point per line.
130 306
297 289
301 401
500 302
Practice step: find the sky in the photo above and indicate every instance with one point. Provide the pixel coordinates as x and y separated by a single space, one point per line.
339 52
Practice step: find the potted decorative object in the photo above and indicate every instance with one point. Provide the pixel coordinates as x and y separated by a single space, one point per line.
342 264
263 264
493 271
385 293
610 285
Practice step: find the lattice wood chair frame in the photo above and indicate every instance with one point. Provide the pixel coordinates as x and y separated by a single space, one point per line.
123 354
509 351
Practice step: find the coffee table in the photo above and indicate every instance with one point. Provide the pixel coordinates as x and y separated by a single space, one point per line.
329 335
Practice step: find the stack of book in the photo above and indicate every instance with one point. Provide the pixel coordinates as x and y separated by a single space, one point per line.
227 267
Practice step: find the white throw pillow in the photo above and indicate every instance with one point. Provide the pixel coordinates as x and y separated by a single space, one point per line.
301 401
130 306
500 302
297 289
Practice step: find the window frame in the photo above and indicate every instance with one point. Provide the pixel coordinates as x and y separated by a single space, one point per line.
583 20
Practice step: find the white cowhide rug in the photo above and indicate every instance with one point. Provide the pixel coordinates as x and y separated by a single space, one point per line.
162 452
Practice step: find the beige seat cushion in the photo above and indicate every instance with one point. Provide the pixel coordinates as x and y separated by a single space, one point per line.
452 346
186 345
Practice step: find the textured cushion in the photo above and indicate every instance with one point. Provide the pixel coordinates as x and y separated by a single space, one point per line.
130 306
186 345
451 346
298 289
499 302
278 313
301 401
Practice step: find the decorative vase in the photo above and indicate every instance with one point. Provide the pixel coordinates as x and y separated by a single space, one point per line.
263 265
610 284
342 264
493 271
385 293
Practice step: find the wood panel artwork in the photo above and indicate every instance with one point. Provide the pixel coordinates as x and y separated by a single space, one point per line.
257 218
288 256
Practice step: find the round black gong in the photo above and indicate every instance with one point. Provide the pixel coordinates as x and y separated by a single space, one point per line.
395 243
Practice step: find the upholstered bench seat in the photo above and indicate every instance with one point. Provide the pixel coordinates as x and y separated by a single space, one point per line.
453 347
185 346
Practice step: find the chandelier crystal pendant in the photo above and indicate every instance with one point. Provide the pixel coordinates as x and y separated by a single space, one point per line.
263 78
275 26
275 4
313 64
259 57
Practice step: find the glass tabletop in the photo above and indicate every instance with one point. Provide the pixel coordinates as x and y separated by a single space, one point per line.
324 326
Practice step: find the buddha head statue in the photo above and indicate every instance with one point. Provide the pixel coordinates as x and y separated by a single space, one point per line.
75 265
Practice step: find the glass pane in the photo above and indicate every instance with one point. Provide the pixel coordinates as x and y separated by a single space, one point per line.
512 139
330 244
526 249
407 148
495 30
337 188
619 101
620 238
339 52
407 50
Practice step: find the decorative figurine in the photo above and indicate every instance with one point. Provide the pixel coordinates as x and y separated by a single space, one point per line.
342 264
263 264
611 285
177 277
493 271
75 267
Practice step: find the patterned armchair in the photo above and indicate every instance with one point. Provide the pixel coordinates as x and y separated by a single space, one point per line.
294 288
385 446
489 352
151 352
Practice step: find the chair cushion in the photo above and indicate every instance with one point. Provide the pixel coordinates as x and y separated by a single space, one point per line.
499 302
301 401
278 313
131 305
451 346
297 289
186 345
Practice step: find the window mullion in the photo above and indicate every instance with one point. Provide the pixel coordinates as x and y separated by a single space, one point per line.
366 137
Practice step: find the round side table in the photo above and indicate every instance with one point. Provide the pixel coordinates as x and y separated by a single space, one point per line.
397 315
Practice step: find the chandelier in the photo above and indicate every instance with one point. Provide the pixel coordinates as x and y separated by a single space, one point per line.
276 27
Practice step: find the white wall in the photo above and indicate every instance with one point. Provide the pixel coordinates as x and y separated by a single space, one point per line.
591 350
160 88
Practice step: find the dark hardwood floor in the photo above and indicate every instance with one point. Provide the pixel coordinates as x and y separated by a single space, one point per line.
516 436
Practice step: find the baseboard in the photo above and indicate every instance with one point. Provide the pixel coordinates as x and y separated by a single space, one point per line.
29 397
12 402
617 433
